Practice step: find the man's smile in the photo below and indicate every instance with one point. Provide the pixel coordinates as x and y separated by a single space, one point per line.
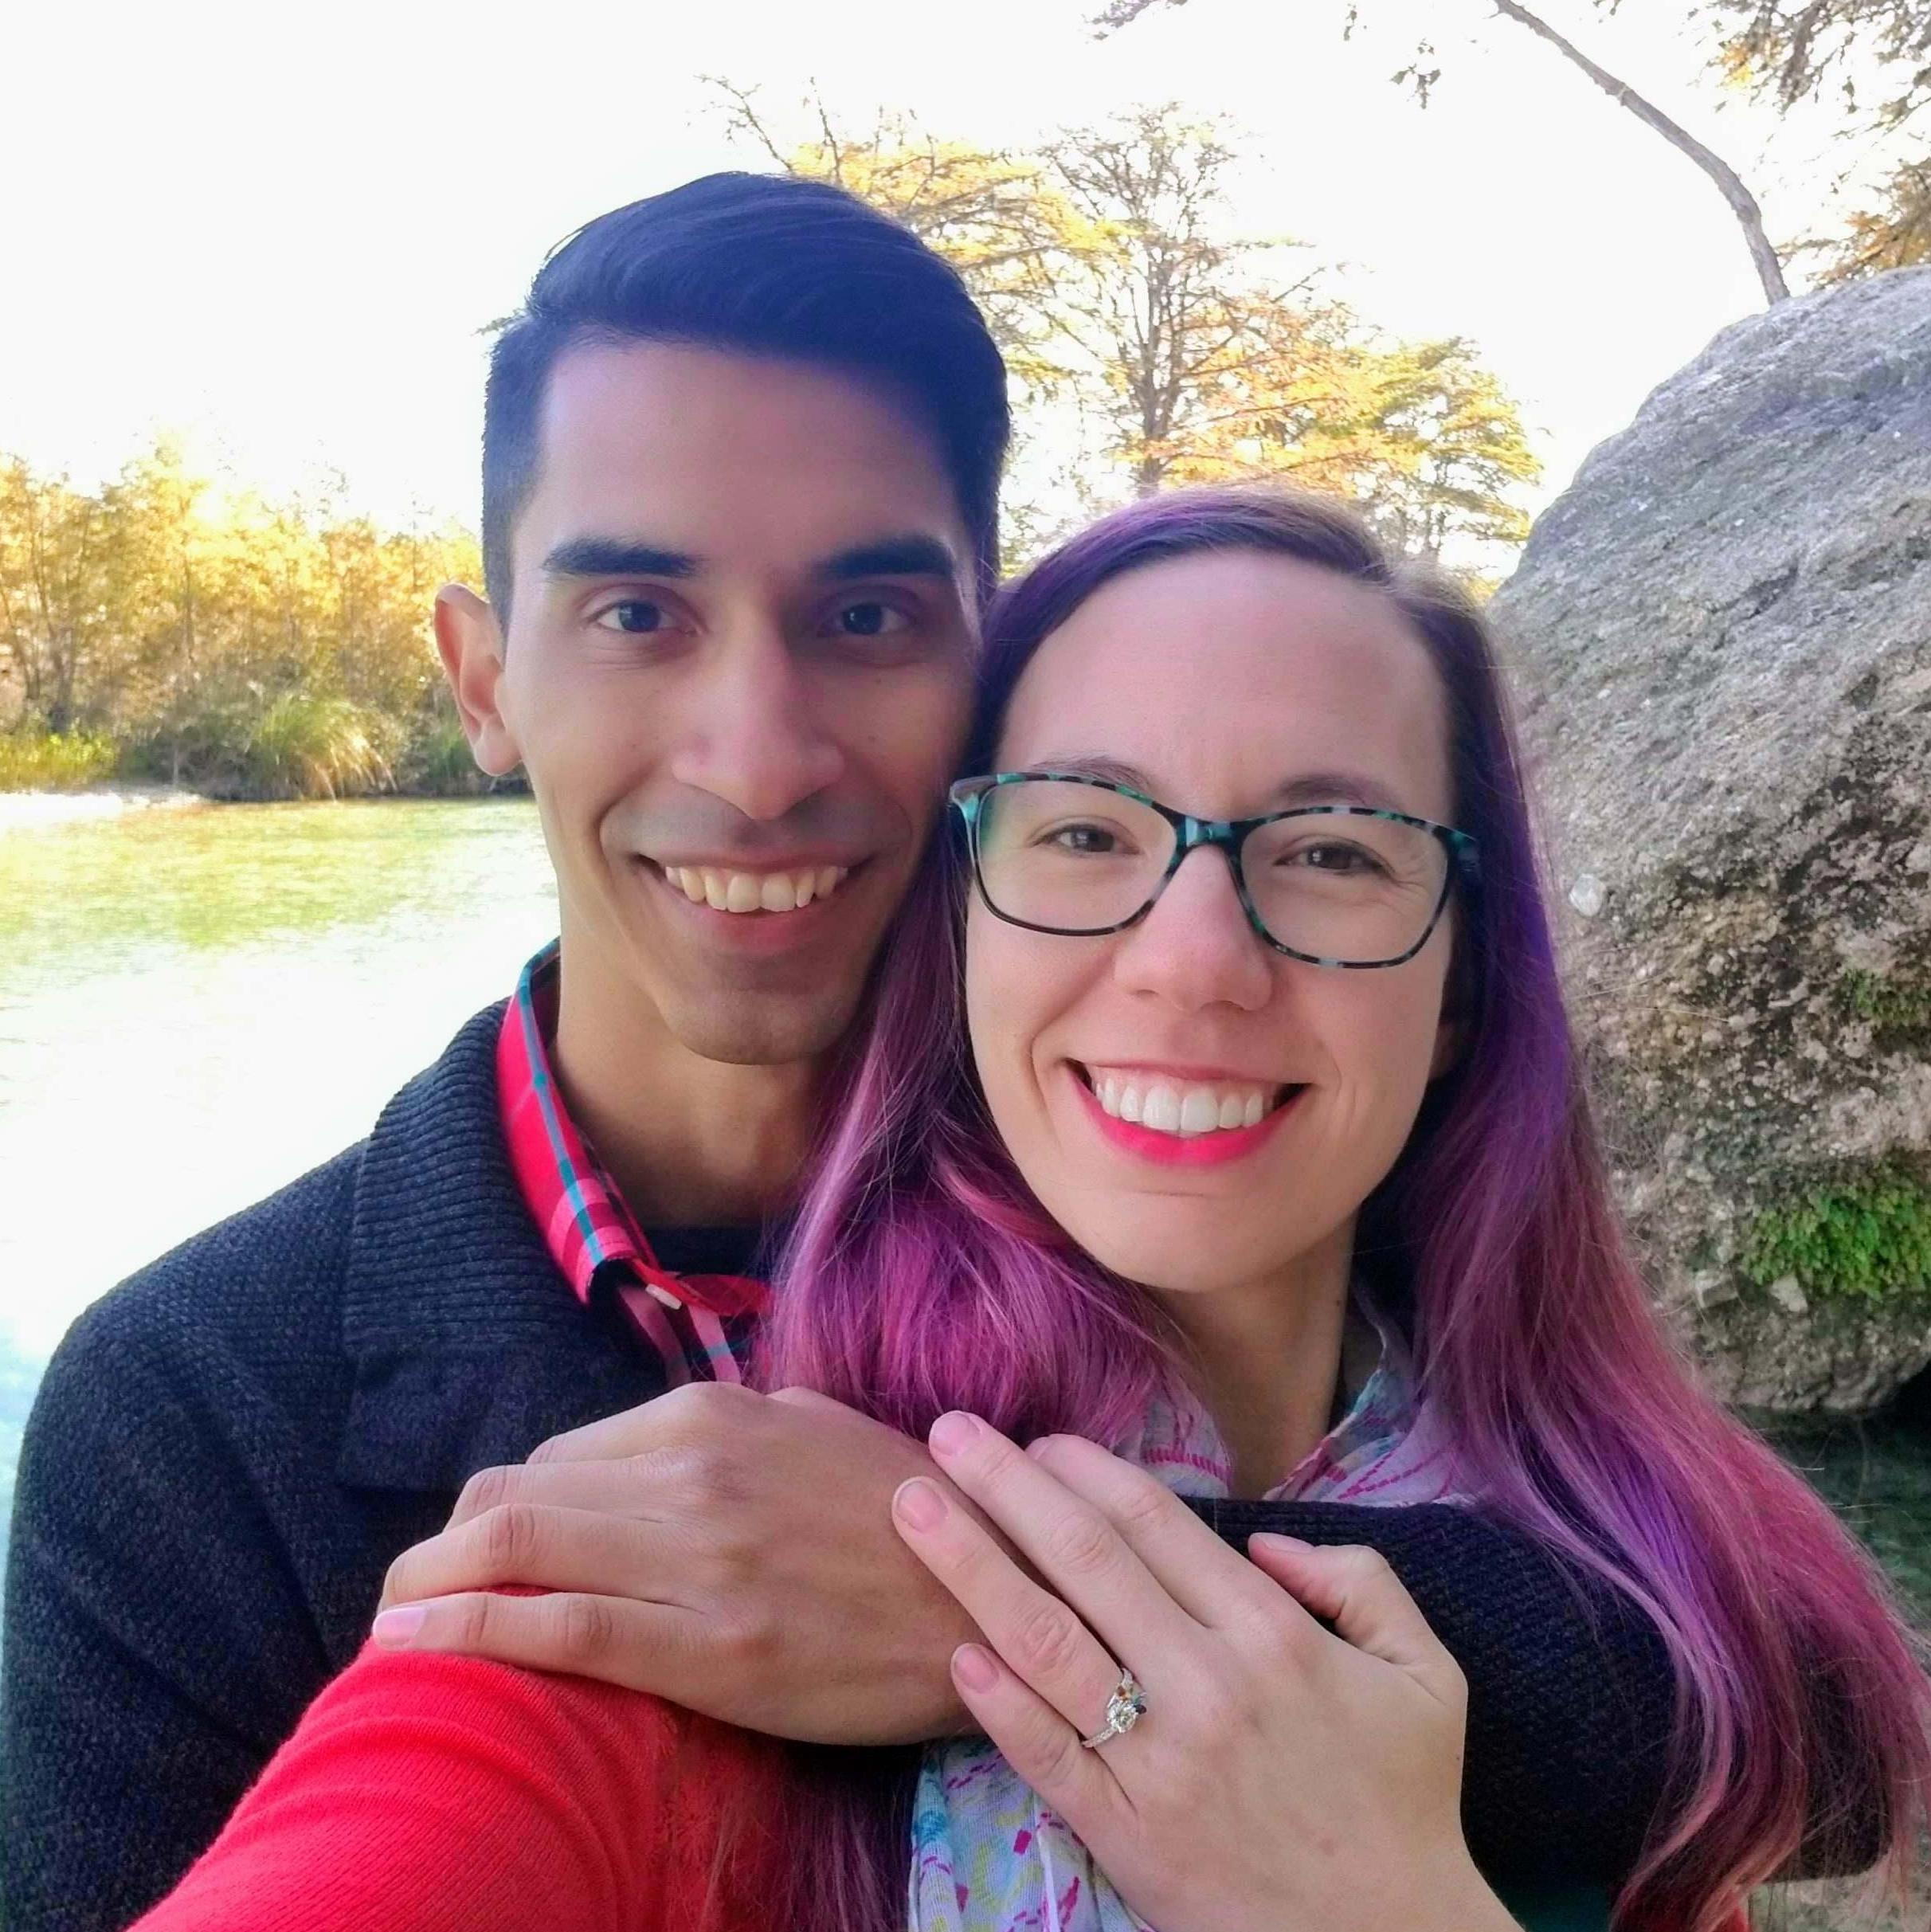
728 890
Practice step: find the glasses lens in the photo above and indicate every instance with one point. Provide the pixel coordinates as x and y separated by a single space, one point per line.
1073 858
1345 887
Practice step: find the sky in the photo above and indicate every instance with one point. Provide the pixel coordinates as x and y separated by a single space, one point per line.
281 231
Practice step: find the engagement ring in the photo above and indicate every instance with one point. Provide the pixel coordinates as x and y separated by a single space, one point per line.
1124 1709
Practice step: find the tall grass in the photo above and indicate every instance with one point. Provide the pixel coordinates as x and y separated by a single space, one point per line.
305 745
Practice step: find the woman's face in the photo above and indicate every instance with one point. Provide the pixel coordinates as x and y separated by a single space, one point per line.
1232 684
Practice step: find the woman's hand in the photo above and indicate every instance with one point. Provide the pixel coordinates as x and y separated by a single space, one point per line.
1282 1776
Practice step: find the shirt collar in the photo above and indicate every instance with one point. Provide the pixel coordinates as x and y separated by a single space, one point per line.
584 1220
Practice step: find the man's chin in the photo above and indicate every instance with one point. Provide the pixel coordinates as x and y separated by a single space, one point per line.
766 1029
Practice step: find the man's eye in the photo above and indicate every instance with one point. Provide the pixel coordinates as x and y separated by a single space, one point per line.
636 615
870 618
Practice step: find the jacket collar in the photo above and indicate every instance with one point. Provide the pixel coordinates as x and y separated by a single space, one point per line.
466 1346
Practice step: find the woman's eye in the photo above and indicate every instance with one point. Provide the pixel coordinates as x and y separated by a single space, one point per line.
1085 839
636 616
870 618
1336 859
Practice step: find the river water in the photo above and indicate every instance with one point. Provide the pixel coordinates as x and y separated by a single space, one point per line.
197 1004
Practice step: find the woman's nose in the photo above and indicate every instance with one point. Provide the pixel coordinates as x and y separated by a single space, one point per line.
1196 948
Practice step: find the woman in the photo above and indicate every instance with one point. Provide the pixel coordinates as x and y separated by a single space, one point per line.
1312 1091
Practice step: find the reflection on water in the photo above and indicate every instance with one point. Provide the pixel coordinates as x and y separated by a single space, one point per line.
196 1006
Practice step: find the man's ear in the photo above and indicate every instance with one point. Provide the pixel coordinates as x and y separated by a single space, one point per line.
469 641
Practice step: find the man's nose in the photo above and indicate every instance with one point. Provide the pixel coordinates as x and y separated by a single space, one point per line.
757 733
1196 948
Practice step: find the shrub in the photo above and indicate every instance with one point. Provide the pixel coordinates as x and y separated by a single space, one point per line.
54 760
438 764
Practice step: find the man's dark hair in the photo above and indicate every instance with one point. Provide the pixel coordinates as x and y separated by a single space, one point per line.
770 266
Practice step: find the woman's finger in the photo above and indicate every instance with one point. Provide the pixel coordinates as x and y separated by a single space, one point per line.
1212 1582
1073 1545
1355 1590
1041 1639
1037 1743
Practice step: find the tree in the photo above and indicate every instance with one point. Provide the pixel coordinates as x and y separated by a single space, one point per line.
179 620
1795 50
1742 203
1174 350
56 638
986 210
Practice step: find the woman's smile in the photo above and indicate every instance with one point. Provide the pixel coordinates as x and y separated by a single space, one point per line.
1180 1118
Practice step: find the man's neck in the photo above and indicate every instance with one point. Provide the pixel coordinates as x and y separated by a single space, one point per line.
1269 1358
689 1141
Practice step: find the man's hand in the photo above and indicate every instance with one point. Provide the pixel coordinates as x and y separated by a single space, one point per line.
730 1551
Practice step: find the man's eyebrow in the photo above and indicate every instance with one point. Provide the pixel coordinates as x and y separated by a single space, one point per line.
911 555
1312 788
616 557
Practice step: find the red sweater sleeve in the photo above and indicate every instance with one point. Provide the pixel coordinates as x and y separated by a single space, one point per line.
430 1793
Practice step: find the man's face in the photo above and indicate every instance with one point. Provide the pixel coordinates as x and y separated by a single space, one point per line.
738 671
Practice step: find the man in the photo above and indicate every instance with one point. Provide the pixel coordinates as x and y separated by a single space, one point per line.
740 457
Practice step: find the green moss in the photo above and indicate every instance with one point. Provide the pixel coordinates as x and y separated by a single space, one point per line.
1867 1237
1897 1006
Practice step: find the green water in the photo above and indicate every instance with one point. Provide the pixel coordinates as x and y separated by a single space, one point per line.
196 1004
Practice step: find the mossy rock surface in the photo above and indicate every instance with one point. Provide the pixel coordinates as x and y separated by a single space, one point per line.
1721 633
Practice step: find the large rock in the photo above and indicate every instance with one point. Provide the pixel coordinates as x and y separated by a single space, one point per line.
1721 633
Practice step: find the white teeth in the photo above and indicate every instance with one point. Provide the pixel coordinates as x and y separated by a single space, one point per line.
1182 1108
729 892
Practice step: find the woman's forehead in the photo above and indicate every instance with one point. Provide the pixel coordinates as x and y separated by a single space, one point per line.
1224 676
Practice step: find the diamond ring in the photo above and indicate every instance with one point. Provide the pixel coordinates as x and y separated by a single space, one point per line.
1125 1708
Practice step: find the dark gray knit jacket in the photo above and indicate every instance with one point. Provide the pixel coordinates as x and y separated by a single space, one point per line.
229 1449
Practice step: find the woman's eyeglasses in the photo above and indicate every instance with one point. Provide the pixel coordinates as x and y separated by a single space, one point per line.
1335 885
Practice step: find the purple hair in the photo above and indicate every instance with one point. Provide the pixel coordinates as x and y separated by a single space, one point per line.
923 1275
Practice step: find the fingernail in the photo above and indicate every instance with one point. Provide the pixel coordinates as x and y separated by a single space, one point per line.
394 1629
953 1432
1278 1542
920 1504
974 1668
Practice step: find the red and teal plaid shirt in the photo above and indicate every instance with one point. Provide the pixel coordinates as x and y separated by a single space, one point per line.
700 1325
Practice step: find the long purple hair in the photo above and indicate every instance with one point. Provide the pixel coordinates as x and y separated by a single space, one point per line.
923 1276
